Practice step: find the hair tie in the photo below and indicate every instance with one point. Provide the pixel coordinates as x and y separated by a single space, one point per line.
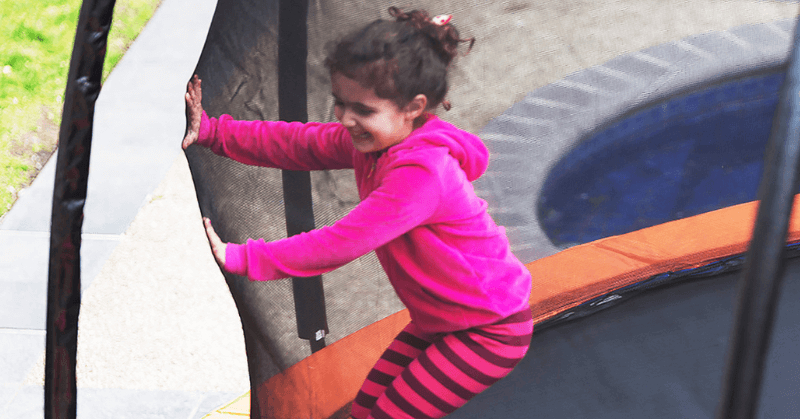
442 20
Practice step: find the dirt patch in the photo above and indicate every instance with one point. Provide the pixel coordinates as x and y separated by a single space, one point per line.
36 147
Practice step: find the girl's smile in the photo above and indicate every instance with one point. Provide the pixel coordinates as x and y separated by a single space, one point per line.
374 123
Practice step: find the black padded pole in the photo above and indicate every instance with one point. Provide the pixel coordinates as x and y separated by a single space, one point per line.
760 284
69 196
309 297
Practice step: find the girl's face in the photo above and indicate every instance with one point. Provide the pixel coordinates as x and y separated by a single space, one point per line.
374 123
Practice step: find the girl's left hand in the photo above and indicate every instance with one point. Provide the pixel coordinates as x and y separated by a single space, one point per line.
194 110
217 245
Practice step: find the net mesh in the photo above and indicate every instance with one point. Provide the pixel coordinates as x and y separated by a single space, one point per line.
238 67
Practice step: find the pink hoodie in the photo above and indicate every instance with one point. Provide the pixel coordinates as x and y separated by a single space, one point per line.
448 261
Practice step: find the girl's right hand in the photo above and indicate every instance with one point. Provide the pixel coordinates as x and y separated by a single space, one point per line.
218 247
194 110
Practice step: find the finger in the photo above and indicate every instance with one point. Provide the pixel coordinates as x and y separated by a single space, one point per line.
190 86
199 88
212 235
193 95
207 224
218 247
195 82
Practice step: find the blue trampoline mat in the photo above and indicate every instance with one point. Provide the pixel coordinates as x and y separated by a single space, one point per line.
690 154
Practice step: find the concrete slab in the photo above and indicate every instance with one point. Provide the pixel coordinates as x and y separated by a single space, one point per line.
34 248
7 393
24 256
23 305
27 403
19 351
136 404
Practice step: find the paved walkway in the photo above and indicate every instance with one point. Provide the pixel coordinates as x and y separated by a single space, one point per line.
159 334
156 339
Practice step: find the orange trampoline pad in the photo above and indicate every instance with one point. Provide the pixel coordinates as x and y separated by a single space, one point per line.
584 272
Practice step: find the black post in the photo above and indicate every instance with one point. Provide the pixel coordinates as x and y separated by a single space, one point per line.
309 297
69 196
761 280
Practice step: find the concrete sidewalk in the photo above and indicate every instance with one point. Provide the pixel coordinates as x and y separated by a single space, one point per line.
159 333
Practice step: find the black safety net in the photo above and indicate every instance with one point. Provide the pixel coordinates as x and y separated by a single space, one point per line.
246 73
239 68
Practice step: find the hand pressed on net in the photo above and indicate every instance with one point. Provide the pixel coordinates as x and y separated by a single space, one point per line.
217 245
194 110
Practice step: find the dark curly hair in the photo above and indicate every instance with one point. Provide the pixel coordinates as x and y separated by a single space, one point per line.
400 59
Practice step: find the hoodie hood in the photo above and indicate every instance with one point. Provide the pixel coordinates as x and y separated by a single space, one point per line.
467 148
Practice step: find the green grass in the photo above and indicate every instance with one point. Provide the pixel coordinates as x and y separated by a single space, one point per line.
36 39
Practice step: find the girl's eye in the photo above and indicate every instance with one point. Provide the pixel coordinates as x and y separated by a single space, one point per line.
357 108
363 111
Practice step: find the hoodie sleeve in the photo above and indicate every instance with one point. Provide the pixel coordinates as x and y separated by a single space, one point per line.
407 197
282 145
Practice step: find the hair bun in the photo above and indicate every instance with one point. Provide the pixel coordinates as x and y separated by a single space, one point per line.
439 29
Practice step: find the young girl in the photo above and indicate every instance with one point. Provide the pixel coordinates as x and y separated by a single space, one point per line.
448 261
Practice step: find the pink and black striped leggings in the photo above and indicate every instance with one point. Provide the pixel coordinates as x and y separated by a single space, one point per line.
422 376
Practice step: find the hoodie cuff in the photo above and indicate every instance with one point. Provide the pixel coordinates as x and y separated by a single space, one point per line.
236 259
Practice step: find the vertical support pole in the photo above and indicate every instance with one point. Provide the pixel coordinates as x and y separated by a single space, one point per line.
309 297
69 196
760 284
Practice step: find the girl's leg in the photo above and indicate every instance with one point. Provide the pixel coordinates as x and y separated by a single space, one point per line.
454 369
405 348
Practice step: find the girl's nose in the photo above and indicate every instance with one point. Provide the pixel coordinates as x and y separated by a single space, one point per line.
346 118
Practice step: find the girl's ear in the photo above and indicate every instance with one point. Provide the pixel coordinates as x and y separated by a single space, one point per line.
416 107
